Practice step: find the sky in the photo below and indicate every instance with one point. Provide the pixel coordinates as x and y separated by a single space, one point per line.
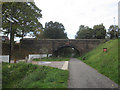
73 13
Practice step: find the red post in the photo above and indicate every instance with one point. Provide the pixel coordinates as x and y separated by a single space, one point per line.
104 49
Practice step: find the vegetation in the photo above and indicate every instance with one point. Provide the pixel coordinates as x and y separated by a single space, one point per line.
52 59
84 33
98 32
53 30
104 62
27 15
22 75
67 52
113 31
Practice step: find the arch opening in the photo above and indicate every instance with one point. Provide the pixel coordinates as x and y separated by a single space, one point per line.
67 51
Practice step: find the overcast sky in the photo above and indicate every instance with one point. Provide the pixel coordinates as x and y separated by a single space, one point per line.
73 13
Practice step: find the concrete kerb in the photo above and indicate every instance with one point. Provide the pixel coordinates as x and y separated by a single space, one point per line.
65 66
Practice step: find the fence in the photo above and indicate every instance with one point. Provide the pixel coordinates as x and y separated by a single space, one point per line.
4 58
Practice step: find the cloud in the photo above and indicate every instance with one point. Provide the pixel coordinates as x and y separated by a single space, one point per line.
73 13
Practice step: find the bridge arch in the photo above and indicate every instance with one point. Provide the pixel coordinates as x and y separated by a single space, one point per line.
53 45
66 46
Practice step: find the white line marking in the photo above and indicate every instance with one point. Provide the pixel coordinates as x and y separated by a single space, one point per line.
65 66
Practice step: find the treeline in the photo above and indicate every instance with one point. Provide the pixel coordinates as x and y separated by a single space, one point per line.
97 32
55 30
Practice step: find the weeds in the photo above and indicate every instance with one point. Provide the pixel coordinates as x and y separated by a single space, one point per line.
22 75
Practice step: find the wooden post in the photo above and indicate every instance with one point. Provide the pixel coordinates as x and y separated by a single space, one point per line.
14 60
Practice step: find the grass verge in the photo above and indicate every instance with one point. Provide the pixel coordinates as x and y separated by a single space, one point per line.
104 62
22 75
51 59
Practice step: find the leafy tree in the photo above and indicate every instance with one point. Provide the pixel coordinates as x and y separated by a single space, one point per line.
84 33
113 31
39 34
99 31
54 30
27 15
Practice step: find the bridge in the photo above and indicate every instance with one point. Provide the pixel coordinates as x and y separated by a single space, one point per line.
52 46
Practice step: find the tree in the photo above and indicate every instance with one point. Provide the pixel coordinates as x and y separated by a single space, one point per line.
39 34
99 31
113 31
84 33
54 30
27 15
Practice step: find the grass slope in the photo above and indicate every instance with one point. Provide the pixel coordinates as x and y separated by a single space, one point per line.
104 62
24 75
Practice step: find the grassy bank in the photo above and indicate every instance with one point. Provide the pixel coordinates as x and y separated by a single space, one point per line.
24 75
52 59
104 62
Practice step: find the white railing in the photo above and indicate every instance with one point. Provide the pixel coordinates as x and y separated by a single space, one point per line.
33 56
4 58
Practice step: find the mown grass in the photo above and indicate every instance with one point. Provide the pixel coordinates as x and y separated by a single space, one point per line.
104 62
51 59
22 75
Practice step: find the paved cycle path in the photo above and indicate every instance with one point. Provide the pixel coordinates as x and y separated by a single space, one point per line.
83 76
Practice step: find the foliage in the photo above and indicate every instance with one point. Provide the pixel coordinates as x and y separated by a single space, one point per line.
98 32
113 31
54 30
39 34
27 15
84 33
105 62
22 75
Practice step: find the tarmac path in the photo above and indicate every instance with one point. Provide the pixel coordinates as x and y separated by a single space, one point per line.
83 76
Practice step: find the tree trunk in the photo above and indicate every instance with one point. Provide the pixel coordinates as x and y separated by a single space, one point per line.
22 34
12 40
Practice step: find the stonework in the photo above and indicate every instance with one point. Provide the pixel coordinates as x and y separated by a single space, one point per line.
53 45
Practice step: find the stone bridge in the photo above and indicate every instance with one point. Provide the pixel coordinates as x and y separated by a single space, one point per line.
53 45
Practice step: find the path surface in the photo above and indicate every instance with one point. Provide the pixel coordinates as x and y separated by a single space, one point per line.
83 76
56 64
